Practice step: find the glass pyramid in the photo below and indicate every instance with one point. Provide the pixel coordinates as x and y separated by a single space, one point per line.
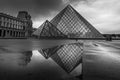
72 24
69 56
48 30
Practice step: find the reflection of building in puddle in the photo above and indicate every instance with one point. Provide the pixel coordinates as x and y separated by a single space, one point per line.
4 50
25 58
68 56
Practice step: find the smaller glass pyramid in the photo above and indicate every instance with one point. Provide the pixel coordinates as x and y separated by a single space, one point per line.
48 30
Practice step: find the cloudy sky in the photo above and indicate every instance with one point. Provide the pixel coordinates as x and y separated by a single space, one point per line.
102 14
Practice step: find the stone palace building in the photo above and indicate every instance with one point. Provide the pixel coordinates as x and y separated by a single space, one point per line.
15 27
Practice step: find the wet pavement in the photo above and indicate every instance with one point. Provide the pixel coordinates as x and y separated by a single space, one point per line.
21 60
102 61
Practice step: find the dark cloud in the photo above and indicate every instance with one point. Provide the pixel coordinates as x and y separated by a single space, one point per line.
34 7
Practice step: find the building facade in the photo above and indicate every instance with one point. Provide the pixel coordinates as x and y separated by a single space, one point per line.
15 27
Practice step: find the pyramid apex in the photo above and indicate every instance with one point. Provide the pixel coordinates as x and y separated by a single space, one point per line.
46 21
68 5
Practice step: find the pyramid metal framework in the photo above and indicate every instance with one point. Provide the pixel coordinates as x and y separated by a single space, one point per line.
72 24
48 30
68 56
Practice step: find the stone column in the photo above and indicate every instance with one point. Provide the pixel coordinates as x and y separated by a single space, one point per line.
8 33
22 34
12 34
5 33
15 33
18 34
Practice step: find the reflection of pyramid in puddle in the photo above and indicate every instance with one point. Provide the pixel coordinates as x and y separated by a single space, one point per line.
72 24
67 56
48 30
49 51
